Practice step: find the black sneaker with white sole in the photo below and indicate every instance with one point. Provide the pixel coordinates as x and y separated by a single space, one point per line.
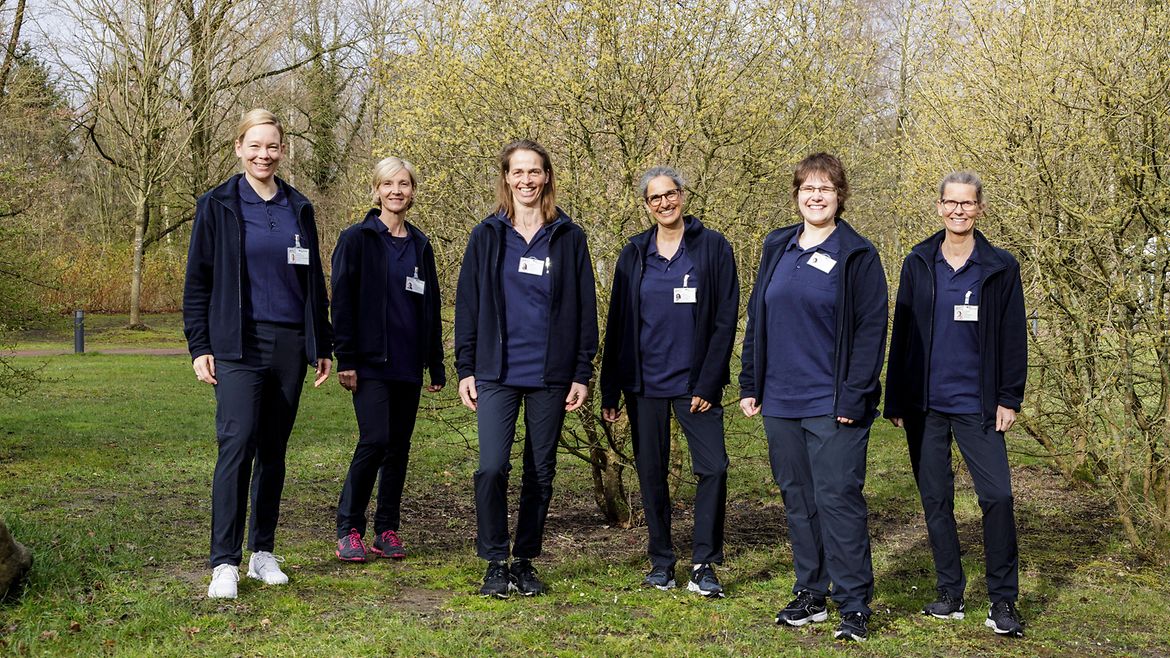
854 627
660 577
806 608
524 578
1004 619
704 582
946 607
497 582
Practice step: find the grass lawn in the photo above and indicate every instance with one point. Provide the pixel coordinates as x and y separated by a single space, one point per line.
106 332
105 473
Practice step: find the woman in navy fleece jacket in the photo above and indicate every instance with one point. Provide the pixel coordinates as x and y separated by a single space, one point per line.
812 355
388 329
525 334
254 312
673 310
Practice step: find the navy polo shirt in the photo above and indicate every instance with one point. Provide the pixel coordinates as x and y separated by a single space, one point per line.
800 308
667 330
527 298
403 315
274 291
954 348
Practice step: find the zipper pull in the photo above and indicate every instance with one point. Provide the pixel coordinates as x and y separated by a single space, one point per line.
967 298
297 240
416 272
685 277
547 263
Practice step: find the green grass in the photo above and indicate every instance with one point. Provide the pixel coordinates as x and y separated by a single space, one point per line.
104 332
105 474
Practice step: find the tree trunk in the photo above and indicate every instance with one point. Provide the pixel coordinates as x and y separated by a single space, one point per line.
10 49
141 220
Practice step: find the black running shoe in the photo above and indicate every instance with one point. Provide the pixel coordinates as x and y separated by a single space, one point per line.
704 582
1004 619
853 627
660 577
524 578
806 608
946 607
497 581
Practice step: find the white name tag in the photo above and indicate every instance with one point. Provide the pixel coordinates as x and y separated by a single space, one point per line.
533 266
822 262
966 313
684 295
298 256
415 285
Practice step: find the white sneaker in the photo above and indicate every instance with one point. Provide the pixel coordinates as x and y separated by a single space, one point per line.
224 579
265 566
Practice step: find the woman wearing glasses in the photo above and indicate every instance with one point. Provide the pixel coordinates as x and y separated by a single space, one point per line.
812 355
672 315
525 333
958 361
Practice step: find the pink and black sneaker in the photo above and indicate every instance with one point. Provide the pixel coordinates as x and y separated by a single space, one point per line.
387 544
351 548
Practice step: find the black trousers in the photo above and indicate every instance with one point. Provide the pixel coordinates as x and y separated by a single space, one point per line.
497 412
256 406
650 426
820 467
929 439
386 412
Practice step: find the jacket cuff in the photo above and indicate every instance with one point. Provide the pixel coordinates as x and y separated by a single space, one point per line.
611 400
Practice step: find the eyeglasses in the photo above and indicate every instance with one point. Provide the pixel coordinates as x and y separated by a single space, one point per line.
656 200
949 205
813 189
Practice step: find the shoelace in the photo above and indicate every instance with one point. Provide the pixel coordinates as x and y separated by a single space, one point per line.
355 540
804 599
266 561
391 538
497 571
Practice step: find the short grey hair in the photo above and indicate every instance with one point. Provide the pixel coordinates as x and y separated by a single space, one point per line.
962 178
655 172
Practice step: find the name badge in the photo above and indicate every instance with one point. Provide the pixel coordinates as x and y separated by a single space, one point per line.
415 284
298 255
822 262
533 266
685 295
966 313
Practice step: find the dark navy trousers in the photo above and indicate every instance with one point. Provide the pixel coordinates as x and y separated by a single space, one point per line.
820 467
650 426
386 412
929 439
256 406
497 411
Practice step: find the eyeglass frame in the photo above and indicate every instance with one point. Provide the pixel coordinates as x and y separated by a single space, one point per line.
955 204
656 200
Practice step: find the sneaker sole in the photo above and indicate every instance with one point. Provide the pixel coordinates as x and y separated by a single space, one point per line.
692 587
338 554
953 615
390 556
817 618
667 587
255 576
1010 633
849 637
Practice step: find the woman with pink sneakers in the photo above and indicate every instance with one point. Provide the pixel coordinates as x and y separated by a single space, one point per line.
387 329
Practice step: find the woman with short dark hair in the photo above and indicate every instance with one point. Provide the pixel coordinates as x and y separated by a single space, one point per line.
812 355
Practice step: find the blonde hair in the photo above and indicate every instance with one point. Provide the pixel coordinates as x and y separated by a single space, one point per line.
257 117
386 168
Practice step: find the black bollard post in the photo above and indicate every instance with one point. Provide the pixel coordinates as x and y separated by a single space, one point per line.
79 331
